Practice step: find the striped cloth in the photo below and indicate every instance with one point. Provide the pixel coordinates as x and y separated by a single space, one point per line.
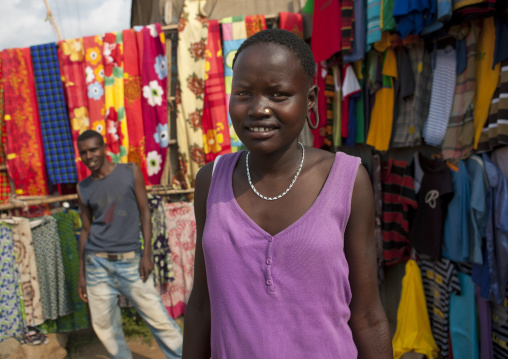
440 278
443 88
5 188
373 21
55 128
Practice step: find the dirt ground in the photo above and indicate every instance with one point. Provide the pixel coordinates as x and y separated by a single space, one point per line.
95 350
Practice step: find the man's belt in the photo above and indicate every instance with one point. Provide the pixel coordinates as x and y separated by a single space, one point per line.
115 256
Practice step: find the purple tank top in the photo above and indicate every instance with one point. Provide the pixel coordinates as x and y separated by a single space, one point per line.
282 296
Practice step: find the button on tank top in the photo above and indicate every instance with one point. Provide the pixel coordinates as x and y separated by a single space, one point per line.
282 296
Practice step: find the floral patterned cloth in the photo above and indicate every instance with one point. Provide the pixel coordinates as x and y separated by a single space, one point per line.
27 270
94 75
154 73
234 34
192 34
254 24
215 112
132 101
181 227
79 318
50 270
5 188
72 58
117 137
11 320
24 151
161 254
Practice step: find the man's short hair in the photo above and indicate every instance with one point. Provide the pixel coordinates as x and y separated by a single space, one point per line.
91 134
284 38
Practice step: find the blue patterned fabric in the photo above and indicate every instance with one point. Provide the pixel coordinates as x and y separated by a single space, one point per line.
55 127
11 320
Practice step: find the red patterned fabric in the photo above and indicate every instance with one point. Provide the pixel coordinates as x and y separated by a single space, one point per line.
132 97
72 58
94 72
24 151
216 139
254 24
292 22
154 100
348 19
5 188
326 29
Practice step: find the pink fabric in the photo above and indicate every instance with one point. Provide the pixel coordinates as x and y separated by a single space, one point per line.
181 226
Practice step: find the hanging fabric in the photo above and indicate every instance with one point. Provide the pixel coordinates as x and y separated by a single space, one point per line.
72 57
154 73
215 127
94 72
56 133
24 149
291 21
326 29
233 35
254 24
11 321
117 136
5 188
161 253
132 102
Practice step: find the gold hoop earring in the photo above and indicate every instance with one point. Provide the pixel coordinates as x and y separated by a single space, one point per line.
315 125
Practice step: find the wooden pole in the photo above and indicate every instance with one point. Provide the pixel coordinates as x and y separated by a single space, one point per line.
50 15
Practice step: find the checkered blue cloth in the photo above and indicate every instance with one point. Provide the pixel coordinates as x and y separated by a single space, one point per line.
55 126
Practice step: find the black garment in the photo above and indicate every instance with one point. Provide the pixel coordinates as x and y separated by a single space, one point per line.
435 193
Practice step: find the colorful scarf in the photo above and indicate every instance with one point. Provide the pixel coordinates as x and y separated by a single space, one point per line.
72 57
94 72
117 137
215 132
58 148
234 34
191 54
132 98
5 188
291 21
254 24
154 72
24 152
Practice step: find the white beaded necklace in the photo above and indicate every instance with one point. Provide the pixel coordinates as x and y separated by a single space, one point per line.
287 190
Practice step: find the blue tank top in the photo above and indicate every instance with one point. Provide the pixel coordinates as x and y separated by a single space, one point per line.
115 225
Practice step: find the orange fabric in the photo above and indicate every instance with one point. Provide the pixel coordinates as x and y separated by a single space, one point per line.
23 150
254 24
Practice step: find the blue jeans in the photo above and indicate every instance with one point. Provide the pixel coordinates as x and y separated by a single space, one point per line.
105 280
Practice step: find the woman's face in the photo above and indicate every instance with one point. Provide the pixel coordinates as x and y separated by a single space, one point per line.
270 97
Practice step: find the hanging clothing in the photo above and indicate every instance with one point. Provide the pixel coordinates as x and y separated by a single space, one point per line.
359 33
412 16
440 279
27 270
326 29
215 112
350 87
398 199
443 88
72 59
161 253
435 193
5 188
373 21
291 21
495 131
254 24
54 120
50 270
444 14
487 77
233 35
154 73
463 322
79 318
132 102
485 320
337 107
94 70
181 226
192 34
117 137
413 327
347 19
320 81
23 148
359 102
329 93
500 328
377 188
387 19
11 321
458 140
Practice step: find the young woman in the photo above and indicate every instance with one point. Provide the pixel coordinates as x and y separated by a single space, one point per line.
285 258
